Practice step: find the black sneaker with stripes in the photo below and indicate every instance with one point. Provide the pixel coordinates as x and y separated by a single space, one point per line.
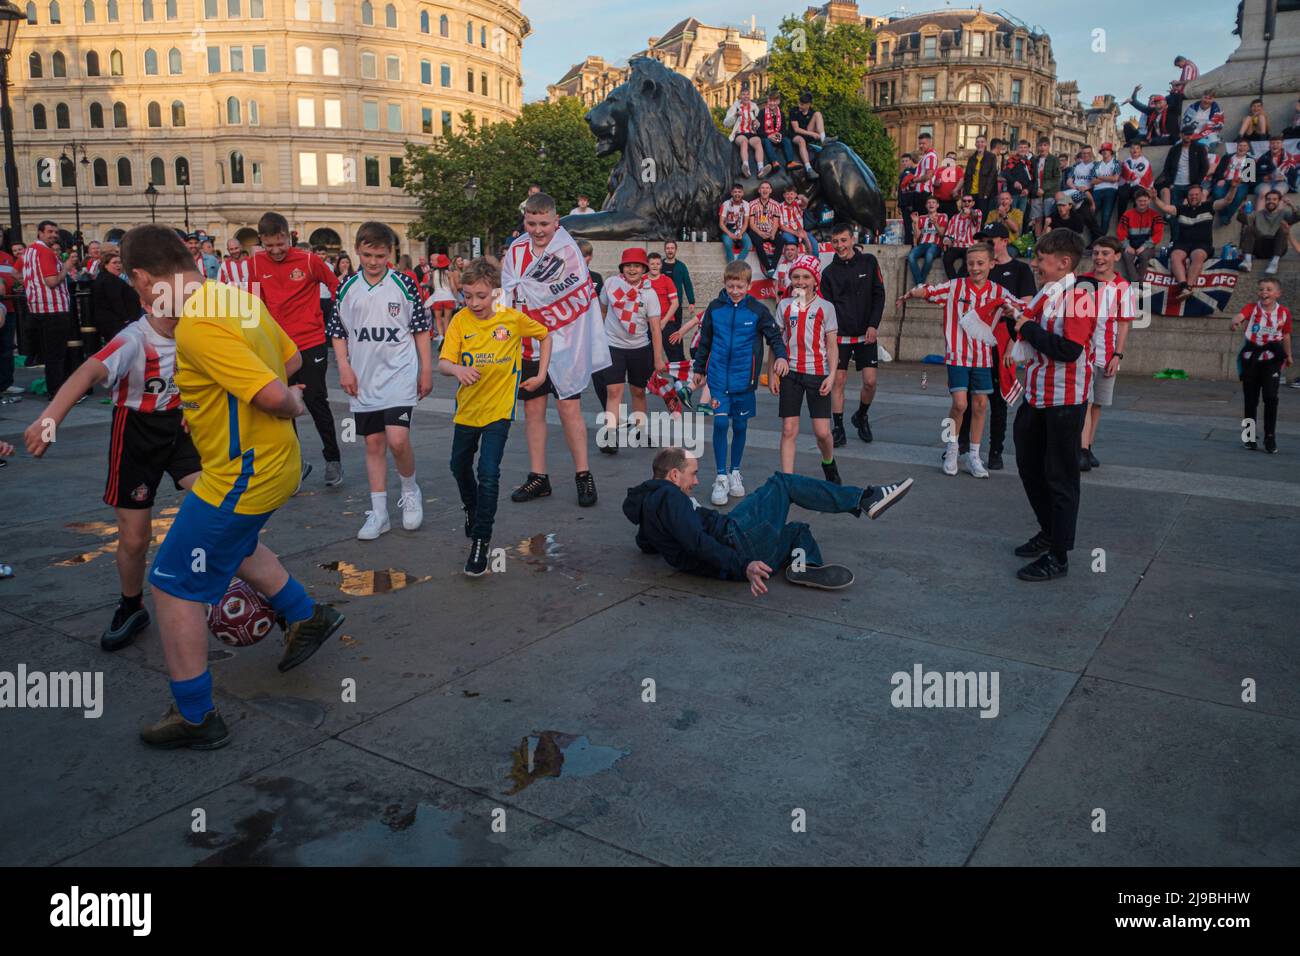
477 564
878 499
535 486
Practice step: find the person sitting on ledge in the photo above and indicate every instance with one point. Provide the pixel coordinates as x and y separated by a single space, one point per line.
746 126
753 539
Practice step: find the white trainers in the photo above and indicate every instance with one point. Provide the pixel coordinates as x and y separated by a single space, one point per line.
975 465
1271 270
719 496
376 524
1247 261
950 460
412 509
735 485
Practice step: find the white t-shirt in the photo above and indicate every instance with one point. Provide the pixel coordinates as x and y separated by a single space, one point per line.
734 213
628 311
1184 168
379 323
579 211
1104 168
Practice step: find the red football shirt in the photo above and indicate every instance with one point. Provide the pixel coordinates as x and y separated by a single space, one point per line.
667 293
291 291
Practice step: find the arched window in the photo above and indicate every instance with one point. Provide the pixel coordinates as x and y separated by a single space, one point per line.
302 60
124 172
96 116
119 116
99 173
237 168
115 63
88 11
38 117
157 171
58 64
55 15
62 118
469 32
150 62
112 11
92 63
146 10
444 26
329 61
67 172
31 14
254 116
424 21
482 37
178 113
232 111
154 113
367 13
34 69
975 93
182 171
390 17
174 61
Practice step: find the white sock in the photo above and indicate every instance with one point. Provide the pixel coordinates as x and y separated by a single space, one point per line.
974 450
379 502
408 484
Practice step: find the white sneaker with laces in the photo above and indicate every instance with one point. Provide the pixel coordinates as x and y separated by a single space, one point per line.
1272 267
975 465
412 509
719 496
736 485
376 524
950 460
1247 261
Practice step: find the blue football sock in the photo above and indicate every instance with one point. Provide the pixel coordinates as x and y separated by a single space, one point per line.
293 601
721 423
194 697
739 432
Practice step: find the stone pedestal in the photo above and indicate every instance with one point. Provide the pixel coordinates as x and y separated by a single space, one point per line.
1265 65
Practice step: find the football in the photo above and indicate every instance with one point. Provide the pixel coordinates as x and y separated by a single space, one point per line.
242 617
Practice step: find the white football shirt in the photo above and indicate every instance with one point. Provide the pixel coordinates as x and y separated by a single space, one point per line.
379 323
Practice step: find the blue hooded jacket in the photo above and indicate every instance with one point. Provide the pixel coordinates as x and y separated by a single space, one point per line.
730 352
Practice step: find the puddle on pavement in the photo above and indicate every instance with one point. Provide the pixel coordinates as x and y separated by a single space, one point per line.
542 551
554 754
360 582
418 836
105 529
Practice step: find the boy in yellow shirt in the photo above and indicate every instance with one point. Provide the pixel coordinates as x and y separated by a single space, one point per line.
483 351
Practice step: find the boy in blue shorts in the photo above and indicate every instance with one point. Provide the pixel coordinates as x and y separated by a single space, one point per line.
728 357
232 367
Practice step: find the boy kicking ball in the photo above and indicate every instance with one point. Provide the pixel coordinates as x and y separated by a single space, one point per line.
381 340
483 351
808 327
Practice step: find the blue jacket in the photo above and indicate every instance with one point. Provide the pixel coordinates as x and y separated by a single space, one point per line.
730 352
690 539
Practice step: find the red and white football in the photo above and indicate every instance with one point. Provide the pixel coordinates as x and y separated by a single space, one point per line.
242 617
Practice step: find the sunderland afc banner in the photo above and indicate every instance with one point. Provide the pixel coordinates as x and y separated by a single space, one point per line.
1209 296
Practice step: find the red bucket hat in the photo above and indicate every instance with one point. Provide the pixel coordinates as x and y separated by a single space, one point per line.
636 255
440 261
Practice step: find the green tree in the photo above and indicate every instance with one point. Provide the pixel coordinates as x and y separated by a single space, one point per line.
830 62
548 144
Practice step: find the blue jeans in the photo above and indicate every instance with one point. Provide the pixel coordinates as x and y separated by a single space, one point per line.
759 531
745 245
1105 200
7 350
928 251
783 147
1241 191
479 497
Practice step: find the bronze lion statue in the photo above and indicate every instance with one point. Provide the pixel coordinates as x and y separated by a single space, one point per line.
676 167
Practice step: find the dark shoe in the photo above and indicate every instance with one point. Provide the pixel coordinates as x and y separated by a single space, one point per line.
1250 445
832 473
306 470
536 486
862 425
609 449
175 731
995 461
477 564
1270 445
1044 569
828 577
838 438
879 499
1038 544
469 523
304 638
1092 459
126 625
586 489
1084 463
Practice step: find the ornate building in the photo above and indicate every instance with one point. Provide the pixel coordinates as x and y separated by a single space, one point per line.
240 106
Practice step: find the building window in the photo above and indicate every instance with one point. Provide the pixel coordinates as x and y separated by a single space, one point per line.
174 61
967 134
333 113
1013 136
469 32
469 80
115 63
927 88
390 17
1020 48
302 60
92 63
154 116
1017 88
367 13
975 93
334 175
929 46
232 111
31 14
444 74
483 84
59 64
307 169
257 174
112 11
977 44
88 11
182 171
369 66
927 129
233 8
38 117
214 59
329 61
424 21
259 59
96 116
254 114
157 171
44 172
236 59
372 170
124 172
306 111
34 66
237 168
394 117
395 171
370 114
256 9
884 49
302 9
426 72
446 122
119 116
327 14
56 16
210 9
99 173
62 118
172 11
482 37
178 113
393 67
426 119
67 172
444 26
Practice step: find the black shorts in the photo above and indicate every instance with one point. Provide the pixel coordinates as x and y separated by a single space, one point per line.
373 423
673 351
635 366
796 385
864 355
144 447
527 370
1190 247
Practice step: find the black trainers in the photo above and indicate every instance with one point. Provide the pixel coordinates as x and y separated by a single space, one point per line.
1084 463
862 425
469 522
838 438
304 638
828 577
1038 544
880 498
995 461
1270 445
126 625
1250 445
477 564
832 473
586 489
174 731
1044 569
1092 459
535 486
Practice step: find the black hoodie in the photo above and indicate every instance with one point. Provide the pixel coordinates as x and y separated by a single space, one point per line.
690 539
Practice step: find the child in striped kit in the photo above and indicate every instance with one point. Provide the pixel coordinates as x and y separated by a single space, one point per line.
1266 351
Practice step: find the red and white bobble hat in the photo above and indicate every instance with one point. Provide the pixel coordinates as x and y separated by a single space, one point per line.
809 264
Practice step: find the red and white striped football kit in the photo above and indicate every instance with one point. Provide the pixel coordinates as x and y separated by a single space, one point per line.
804 328
1189 73
929 164
1114 305
929 230
1264 327
141 366
791 217
959 296
962 229
235 272
1062 308
40 263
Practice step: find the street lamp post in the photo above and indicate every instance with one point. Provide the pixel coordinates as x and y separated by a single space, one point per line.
151 196
10 17
77 239
183 180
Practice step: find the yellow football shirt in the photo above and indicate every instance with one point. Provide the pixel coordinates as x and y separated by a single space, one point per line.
228 348
494 347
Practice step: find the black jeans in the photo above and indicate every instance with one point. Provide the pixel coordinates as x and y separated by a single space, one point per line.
997 416
1262 378
479 497
1047 455
315 362
768 261
7 351
56 329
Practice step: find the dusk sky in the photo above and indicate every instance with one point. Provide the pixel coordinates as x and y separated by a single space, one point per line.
1141 39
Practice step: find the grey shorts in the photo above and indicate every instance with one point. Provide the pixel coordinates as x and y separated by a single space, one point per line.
1103 388
1041 208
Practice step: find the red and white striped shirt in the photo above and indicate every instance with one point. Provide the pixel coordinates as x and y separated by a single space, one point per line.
1237 169
141 365
746 117
522 254
762 213
962 229
959 296
1062 308
804 328
929 164
929 230
1114 305
1189 73
1137 172
40 263
791 217
1264 327
235 272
